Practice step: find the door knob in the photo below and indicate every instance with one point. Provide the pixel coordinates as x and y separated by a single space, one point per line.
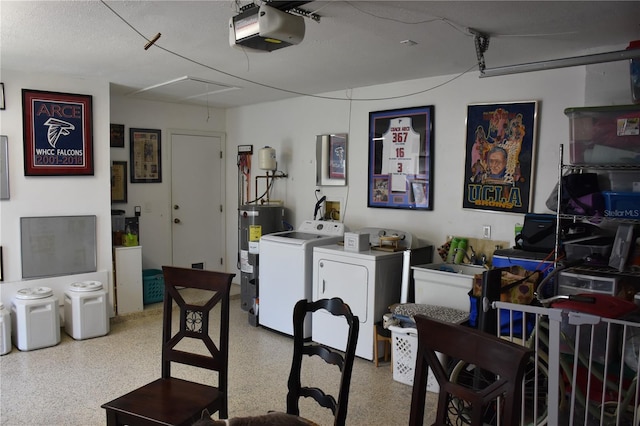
176 207
176 220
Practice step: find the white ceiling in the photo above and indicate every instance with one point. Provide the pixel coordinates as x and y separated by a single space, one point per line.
355 44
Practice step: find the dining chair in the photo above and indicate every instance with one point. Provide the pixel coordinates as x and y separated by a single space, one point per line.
502 364
199 337
343 358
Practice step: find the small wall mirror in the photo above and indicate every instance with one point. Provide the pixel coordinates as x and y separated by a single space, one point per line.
4 168
331 160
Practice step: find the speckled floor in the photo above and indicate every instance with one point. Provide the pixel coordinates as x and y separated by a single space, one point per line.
66 384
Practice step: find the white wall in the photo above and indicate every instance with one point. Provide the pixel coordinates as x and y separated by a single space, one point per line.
291 126
48 196
55 195
154 199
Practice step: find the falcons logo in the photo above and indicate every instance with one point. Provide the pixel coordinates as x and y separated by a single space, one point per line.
56 129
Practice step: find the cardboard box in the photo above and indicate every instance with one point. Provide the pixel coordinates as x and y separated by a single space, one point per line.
356 242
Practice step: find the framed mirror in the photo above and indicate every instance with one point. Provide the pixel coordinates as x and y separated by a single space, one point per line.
4 168
331 160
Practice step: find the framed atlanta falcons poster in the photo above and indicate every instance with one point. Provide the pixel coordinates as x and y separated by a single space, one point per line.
58 138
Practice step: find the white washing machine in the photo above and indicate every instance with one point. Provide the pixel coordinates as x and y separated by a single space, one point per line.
285 275
368 281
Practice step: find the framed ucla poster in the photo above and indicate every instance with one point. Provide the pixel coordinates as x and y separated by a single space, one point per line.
58 134
500 156
401 158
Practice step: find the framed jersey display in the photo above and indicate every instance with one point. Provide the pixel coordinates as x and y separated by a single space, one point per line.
401 158
500 156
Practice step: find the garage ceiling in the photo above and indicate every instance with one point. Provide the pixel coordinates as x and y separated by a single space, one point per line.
354 44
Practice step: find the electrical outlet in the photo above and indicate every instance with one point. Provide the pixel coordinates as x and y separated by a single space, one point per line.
486 232
332 210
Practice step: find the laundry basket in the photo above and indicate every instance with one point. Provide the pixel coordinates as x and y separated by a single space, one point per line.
153 286
404 340
405 348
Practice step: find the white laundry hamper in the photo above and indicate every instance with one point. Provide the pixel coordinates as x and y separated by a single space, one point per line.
86 312
404 352
35 318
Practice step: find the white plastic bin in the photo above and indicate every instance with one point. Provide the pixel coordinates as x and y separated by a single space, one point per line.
5 330
85 310
449 289
35 318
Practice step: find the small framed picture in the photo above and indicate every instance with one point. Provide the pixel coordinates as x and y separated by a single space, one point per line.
119 182
117 136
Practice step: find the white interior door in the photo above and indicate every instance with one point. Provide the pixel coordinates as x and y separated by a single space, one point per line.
197 191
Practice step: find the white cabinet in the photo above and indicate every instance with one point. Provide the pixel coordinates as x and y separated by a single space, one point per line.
367 281
128 279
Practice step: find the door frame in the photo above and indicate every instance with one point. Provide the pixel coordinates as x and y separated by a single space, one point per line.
223 179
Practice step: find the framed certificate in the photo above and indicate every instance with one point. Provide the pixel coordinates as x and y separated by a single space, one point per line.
119 182
145 161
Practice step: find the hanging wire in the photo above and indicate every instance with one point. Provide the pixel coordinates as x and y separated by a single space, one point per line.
293 92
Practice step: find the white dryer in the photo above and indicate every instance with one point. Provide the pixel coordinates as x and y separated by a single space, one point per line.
285 274
368 281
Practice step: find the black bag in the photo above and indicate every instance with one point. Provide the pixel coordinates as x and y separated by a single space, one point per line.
538 233
574 200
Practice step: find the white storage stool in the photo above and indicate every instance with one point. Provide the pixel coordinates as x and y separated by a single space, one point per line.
5 330
35 318
85 310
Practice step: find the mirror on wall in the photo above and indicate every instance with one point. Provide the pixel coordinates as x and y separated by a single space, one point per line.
331 160
4 168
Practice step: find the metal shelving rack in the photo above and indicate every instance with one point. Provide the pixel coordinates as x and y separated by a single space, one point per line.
578 218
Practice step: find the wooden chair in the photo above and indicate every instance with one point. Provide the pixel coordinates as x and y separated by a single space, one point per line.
343 359
171 400
505 361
